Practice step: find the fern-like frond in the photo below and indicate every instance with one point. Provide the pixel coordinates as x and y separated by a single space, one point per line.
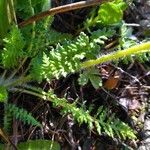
63 59
22 115
99 36
66 57
13 48
103 121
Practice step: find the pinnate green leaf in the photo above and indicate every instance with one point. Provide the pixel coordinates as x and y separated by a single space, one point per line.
3 94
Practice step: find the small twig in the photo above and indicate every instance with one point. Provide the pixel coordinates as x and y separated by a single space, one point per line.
132 25
70 124
128 74
6 138
61 9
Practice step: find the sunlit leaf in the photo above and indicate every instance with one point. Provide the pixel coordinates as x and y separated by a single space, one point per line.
3 94
83 79
96 81
112 12
39 144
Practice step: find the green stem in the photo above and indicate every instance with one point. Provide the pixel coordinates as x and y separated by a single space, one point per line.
32 88
33 93
4 18
16 70
19 81
144 47
3 74
12 11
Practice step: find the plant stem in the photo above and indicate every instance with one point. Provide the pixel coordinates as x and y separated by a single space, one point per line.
33 93
19 81
61 9
144 47
6 138
12 11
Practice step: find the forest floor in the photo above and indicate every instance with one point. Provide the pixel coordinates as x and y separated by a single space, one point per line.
126 90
